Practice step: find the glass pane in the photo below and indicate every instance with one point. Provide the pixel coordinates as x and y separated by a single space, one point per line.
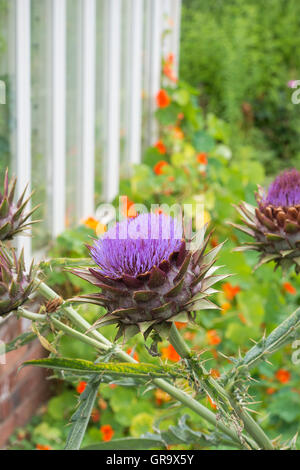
41 115
73 111
101 83
7 86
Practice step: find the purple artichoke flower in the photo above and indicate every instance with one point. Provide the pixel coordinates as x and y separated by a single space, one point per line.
147 276
274 224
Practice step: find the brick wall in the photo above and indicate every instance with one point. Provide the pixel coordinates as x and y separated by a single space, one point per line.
21 393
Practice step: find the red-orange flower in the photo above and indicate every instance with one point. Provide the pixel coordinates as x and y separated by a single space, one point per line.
242 318
169 72
161 397
202 158
127 208
178 134
158 168
289 288
81 387
107 432
189 335
180 116
95 415
270 390
170 58
170 353
212 337
215 373
230 291
43 447
102 404
91 223
135 354
180 325
224 307
160 146
162 99
212 403
112 386
214 242
283 376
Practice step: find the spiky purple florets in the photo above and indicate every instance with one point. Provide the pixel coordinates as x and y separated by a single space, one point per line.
134 246
285 189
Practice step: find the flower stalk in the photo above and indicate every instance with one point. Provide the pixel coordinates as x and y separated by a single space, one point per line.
98 341
250 425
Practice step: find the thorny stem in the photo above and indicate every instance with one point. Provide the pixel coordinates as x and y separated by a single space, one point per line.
251 426
102 343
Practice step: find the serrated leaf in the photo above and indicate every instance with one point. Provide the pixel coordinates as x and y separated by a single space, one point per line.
80 418
82 367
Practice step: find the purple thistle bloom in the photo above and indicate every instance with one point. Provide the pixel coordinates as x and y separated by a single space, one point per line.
285 189
134 246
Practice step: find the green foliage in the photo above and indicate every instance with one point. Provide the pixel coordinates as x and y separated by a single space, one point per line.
247 51
82 367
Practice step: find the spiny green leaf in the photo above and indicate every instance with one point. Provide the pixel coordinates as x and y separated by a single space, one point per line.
119 369
80 418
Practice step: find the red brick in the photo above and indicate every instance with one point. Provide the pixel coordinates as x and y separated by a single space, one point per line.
22 414
6 408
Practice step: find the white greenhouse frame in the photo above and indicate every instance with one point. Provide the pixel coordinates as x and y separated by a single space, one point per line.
146 21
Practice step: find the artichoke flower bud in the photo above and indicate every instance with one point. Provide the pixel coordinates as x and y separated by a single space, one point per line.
13 216
15 283
274 224
147 276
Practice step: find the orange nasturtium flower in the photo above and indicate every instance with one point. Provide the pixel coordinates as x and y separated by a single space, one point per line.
43 447
224 307
230 291
95 415
127 208
212 337
283 376
177 133
107 432
215 373
91 222
289 288
212 403
160 146
242 318
81 387
180 325
202 158
170 58
270 390
135 354
162 99
161 396
170 353
159 167
169 72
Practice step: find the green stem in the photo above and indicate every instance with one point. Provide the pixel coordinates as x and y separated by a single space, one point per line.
66 262
251 426
102 343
